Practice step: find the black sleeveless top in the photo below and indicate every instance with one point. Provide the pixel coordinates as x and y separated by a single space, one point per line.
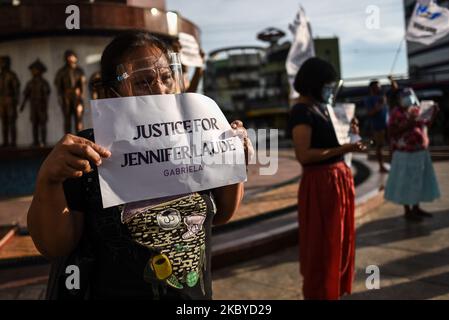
143 250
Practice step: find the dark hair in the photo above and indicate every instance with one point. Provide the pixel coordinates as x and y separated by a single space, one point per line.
373 82
312 76
69 53
120 46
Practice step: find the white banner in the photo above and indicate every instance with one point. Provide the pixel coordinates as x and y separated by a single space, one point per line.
190 50
164 145
302 48
428 23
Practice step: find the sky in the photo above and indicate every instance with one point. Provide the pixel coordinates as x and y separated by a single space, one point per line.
364 51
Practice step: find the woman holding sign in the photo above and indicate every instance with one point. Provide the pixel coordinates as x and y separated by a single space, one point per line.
326 193
155 249
412 179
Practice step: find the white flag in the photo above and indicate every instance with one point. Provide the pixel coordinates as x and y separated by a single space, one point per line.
428 23
190 50
302 47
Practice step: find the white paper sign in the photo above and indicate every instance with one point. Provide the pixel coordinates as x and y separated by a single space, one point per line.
341 116
426 110
164 145
190 50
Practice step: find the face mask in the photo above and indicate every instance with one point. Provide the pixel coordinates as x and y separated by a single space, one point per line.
409 100
327 94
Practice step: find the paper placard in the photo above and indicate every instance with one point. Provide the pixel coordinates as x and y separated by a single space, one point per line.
426 110
164 145
341 116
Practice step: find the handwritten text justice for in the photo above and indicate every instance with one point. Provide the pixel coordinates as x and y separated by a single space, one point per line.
178 153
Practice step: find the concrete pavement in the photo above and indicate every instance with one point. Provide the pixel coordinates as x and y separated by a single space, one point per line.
413 258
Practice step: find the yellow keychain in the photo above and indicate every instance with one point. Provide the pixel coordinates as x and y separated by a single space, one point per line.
161 266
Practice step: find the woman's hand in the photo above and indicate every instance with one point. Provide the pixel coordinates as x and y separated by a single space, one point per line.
228 198
70 158
54 228
240 131
354 147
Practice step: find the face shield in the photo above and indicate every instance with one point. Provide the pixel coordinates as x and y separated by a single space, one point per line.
330 92
149 76
408 98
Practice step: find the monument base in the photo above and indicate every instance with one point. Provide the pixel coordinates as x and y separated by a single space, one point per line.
18 169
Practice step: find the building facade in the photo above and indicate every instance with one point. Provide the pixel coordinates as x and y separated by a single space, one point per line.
251 83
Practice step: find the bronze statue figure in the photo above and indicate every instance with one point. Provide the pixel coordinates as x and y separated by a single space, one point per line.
37 91
69 82
9 98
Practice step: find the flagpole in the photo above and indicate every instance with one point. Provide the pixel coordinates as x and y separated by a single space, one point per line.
397 55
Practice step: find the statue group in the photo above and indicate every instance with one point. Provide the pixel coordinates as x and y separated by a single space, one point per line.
9 98
69 83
